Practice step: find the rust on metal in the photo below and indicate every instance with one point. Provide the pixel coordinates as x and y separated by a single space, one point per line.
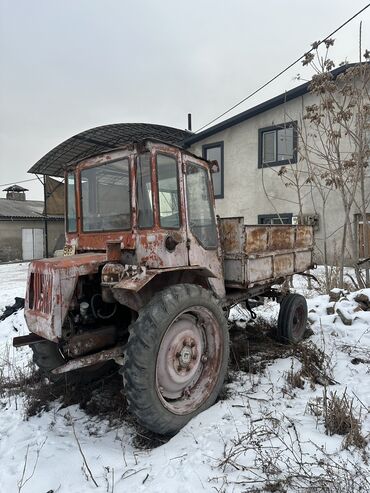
259 269
231 234
112 273
256 239
281 238
89 341
304 236
51 284
268 252
214 167
113 248
211 259
283 264
303 260
89 360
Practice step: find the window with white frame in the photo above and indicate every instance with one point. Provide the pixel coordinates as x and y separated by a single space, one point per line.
284 218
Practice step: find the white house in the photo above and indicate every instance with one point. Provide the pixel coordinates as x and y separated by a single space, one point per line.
251 148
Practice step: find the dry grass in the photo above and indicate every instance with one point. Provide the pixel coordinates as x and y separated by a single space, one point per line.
333 281
316 365
102 399
271 457
16 379
339 418
252 348
294 378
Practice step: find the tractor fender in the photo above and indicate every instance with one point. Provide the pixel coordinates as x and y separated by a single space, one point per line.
136 291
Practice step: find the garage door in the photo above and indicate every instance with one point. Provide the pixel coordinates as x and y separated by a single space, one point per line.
32 243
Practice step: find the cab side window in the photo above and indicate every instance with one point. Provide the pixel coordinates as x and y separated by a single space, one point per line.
144 192
200 209
168 191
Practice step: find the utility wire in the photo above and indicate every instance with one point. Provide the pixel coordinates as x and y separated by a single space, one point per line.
284 70
15 182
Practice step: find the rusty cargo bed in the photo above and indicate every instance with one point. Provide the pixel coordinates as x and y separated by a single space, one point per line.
263 254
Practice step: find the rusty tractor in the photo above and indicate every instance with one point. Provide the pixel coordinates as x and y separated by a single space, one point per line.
148 277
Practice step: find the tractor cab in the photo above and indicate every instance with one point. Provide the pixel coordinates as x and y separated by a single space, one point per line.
156 200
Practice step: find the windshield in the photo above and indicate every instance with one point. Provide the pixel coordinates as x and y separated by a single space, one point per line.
105 193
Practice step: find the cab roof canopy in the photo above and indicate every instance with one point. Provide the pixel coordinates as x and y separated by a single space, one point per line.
101 139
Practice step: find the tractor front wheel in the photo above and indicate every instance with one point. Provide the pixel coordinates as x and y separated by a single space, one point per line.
176 358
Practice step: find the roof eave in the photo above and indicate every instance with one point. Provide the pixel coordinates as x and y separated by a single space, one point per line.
260 108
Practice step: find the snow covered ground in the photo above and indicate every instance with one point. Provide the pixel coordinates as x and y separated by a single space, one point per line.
268 434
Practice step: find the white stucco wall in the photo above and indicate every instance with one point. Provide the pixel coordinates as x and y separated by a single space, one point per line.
250 191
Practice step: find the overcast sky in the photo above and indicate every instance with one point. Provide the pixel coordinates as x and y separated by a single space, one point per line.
70 65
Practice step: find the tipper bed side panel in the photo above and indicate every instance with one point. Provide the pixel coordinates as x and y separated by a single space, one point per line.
263 253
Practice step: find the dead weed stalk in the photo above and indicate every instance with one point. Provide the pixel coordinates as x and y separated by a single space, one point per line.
339 418
272 457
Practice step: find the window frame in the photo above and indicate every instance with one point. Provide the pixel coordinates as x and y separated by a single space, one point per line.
100 165
137 159
275 128
173 156
212 209
261 217
75 182
205 148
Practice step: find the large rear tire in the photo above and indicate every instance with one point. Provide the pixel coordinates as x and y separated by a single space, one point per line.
176 358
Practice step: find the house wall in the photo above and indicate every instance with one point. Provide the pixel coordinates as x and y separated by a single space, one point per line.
250 191
11 237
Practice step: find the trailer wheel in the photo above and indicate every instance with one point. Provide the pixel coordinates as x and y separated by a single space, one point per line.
46 356
292 319
176 358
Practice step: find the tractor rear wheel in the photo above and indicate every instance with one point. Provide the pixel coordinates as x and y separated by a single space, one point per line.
176 358
292 319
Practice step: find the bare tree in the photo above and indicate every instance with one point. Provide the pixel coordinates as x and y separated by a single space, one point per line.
333 142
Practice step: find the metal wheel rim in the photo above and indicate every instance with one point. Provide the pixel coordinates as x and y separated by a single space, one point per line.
298 321
188 360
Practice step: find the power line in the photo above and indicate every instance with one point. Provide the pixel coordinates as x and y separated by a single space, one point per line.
284 70
15 182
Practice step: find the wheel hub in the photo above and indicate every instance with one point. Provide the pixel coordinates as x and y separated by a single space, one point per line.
186 357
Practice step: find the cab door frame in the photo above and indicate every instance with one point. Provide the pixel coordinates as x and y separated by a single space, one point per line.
199 254
158 246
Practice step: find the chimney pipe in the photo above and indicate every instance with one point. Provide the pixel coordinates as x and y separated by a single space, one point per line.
189 122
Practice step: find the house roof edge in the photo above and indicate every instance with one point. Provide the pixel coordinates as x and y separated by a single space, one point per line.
259 108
